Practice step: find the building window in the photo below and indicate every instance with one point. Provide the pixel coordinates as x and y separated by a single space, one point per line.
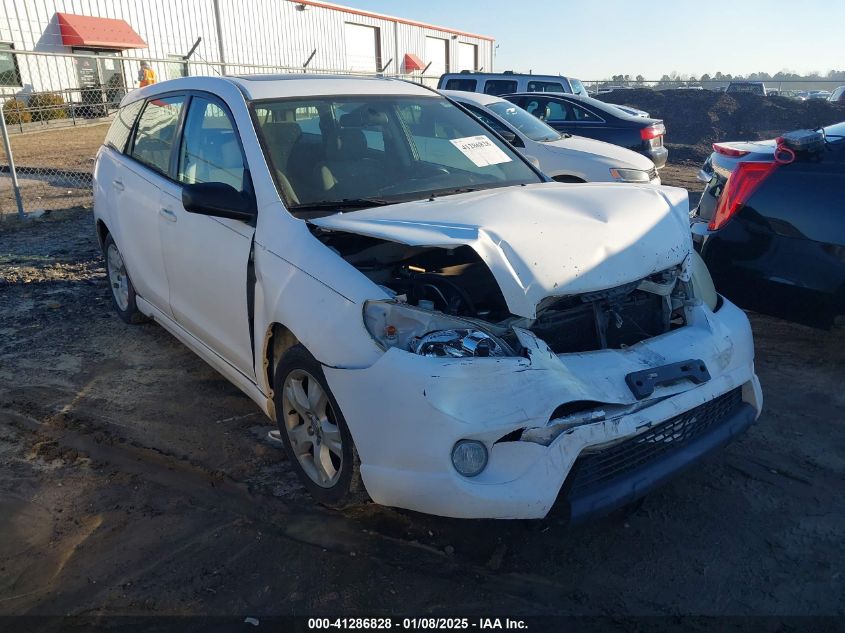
10 74
176 67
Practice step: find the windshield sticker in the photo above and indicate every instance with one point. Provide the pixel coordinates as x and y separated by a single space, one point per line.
480 150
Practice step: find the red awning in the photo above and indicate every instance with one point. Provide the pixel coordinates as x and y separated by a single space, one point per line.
84 30
412 62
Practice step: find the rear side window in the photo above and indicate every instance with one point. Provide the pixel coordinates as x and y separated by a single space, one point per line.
580 114
210 149
121 127
545 86
499 86
467 85
157 132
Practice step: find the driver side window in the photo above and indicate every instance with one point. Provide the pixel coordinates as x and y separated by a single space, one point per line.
157 132
210 150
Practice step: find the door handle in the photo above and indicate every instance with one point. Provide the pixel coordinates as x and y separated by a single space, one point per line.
167 214
117 185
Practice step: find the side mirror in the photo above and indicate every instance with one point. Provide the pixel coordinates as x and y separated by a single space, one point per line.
219 200
513 139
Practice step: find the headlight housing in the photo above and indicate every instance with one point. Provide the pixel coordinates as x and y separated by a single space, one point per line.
429 333
702 283
630 175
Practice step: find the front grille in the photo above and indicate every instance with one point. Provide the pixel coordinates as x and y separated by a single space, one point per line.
593 470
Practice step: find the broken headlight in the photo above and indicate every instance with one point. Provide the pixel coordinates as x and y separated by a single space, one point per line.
429 333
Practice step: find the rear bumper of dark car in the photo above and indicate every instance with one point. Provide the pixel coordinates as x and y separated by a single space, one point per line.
789 277
658 155
606 480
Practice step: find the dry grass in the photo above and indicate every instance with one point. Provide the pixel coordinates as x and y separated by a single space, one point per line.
65 148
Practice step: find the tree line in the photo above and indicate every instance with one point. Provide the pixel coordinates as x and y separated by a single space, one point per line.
784 79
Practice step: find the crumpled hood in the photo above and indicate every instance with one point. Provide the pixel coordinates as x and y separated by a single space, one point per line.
543 240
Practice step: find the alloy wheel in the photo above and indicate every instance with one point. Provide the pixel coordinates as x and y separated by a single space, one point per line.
311 427
118 280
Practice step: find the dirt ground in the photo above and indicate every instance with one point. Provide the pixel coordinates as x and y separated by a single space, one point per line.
136 480
701 117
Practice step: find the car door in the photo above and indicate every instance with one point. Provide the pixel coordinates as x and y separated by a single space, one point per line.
137 186
544 109
208 258
581 121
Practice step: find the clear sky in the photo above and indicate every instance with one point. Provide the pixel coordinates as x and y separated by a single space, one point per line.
594 39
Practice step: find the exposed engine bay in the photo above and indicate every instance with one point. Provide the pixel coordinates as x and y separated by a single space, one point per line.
456 282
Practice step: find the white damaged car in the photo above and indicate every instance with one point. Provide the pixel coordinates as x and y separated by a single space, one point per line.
430 321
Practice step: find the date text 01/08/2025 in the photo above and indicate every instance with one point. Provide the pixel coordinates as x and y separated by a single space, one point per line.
410 624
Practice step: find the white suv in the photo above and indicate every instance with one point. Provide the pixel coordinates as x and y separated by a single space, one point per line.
430 321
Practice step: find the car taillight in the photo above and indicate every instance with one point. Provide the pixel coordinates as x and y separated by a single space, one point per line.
742 182
724 150
652 131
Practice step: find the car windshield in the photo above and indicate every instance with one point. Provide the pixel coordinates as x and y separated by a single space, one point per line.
529 125
577 87
342 153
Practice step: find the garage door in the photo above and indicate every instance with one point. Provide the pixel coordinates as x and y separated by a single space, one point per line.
467 57
436 54
362 48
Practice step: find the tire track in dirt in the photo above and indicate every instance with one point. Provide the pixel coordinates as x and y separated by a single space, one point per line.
322 529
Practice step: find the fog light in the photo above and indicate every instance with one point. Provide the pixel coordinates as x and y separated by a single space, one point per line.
469 457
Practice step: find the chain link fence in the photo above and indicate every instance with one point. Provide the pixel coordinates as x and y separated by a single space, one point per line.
51 135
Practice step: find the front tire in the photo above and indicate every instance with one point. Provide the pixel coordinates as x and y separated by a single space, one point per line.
121 289
314 432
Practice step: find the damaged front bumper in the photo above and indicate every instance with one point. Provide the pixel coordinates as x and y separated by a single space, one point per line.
406 412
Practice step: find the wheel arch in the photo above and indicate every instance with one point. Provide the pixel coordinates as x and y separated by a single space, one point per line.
102 232
278 339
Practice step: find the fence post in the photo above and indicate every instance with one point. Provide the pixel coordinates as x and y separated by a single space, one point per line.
12 173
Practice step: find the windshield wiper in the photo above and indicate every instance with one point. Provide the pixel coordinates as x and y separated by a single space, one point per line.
450 192
346 203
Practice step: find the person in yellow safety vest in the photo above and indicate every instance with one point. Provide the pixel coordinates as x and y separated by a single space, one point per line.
146 75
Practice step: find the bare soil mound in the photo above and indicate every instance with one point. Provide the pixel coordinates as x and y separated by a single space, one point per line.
695 117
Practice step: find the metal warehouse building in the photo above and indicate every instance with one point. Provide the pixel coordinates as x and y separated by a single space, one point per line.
70 45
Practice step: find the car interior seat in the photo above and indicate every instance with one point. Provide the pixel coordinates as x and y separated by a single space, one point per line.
282 139
346 168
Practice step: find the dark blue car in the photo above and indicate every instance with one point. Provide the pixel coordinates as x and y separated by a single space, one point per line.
771 224
585 116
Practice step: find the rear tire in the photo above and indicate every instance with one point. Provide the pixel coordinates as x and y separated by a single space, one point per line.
120 286
314 432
